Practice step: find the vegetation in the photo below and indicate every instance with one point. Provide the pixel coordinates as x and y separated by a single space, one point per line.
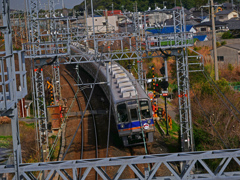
227 35
142 5
213 122
5 142
28 142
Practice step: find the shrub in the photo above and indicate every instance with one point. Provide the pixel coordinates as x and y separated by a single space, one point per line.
227 35
223 43
230 67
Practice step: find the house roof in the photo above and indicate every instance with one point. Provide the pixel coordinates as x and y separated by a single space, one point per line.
233 24
169 22
167 29
200 38
227 5
199 14
191 22
209 23
234 46
224 12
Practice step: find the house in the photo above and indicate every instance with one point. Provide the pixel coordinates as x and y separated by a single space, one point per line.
200 14
201 38
228 54
170 29
158 17
100 24
114 12
207 26
169 22
233 24
226 15
227 6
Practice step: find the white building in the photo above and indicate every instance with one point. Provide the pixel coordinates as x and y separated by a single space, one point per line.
100 24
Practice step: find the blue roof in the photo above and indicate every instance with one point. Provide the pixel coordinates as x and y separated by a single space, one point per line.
200 38
167 29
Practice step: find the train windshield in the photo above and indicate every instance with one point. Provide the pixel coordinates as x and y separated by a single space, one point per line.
134 114
122 113
144 107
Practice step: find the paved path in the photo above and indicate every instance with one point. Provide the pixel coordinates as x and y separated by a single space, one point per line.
172 110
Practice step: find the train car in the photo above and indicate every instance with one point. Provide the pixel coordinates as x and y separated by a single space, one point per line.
131 105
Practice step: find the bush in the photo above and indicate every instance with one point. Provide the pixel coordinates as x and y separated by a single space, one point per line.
227 35
230 67
223 43
218 44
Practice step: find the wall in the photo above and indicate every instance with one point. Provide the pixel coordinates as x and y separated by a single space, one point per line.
230 55
209 43
98 23
5 130
223 17
232 15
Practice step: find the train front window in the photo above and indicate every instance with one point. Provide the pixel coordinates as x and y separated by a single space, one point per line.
144 107
134 114
122 113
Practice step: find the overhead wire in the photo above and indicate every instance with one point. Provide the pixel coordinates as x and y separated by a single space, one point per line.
90 96
94 123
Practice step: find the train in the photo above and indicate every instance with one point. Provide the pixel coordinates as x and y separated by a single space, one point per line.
131 106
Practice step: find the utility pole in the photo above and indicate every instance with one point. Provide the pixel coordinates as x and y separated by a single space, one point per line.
112 8
214 42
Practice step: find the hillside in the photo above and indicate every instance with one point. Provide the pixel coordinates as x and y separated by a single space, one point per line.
142 5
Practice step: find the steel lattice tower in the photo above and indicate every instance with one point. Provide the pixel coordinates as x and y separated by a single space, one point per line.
38 82
186 131
55 66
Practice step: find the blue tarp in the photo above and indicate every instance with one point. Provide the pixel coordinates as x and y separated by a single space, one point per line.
200 38
167 29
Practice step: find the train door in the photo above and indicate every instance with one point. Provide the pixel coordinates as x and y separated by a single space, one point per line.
134 118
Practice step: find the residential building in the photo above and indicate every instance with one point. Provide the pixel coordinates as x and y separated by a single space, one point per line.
233 24
112 13
100 24
228 54
158 17
226 15
207 26
201 38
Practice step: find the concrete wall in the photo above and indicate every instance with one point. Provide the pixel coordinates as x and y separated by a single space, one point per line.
99 23
209 43
5 130
231 56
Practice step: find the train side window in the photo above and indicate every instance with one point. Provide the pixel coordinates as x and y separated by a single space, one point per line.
122 113
144 107
134 114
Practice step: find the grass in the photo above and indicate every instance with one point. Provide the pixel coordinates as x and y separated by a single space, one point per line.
172 141
172 132
5 141
30 125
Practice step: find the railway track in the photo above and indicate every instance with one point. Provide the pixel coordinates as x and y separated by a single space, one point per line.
101 123
80 145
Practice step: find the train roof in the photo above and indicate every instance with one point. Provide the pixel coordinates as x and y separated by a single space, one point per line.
124 86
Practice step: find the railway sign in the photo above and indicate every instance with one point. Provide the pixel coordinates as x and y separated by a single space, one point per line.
146 126
150 95
164 93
